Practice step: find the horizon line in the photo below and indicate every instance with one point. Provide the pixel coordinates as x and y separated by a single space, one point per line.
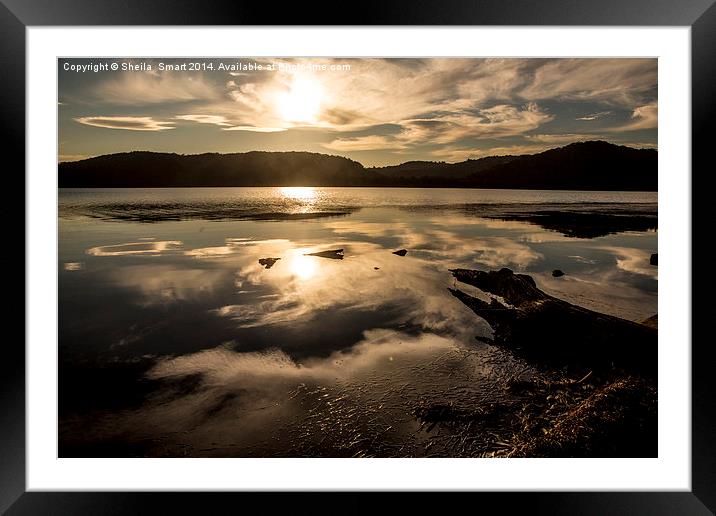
85 158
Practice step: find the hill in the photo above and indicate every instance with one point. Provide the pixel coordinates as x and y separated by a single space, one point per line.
155 169
439 169
593 165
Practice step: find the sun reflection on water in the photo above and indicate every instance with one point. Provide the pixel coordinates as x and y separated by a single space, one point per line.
303 267
299 193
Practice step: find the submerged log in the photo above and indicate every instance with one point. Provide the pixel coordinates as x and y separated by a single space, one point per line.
335 254
267 263
546 329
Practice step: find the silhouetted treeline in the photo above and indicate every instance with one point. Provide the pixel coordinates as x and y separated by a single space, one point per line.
440 169
579 166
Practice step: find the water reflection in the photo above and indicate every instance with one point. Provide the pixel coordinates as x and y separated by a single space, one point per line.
151 248
300 193
199 342
160 284
304 267
635 261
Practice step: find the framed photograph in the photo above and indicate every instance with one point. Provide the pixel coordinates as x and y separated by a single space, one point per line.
441 248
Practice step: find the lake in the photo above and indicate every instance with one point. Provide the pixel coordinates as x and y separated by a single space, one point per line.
175 341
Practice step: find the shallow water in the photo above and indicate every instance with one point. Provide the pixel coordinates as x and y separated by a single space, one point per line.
175 341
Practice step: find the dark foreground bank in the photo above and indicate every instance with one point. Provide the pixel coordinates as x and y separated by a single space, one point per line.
596 394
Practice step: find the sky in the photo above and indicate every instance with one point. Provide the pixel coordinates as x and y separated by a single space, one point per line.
376 111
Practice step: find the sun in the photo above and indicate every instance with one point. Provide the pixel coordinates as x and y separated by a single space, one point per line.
302 102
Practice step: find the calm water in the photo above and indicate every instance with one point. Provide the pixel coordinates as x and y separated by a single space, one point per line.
175 341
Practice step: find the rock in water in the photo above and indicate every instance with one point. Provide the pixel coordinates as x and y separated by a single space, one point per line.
268 262
334 254
653 259
401 252
557 273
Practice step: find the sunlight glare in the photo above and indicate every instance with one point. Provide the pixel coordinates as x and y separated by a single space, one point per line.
299 193
302 102
303 267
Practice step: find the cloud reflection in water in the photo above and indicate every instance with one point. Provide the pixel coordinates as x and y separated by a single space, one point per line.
150 248
239 354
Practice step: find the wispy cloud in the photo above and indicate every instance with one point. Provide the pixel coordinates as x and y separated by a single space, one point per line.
142 88
494 122
71 157
594 116
225 124
389 107
255 129
643 117
219 120
560 139
129 123
642 145
361 143
616 82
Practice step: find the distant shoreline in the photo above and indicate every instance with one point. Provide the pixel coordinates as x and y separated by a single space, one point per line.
418 187
584 166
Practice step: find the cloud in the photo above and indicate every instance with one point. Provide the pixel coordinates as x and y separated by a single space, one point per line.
493 122
129 123
642 145
142 88
594 116
559 139
492 252
71 157
134 248
425 103
635 261
442 97
455 154
224 123
443 242
643 117
602 289
255 129
362 143
163 285
617 82
222 366
219 120
238 246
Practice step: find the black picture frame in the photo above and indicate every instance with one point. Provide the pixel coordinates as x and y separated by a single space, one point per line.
699 15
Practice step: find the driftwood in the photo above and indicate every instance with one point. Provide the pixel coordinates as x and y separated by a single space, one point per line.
549 330
334 254
267 263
